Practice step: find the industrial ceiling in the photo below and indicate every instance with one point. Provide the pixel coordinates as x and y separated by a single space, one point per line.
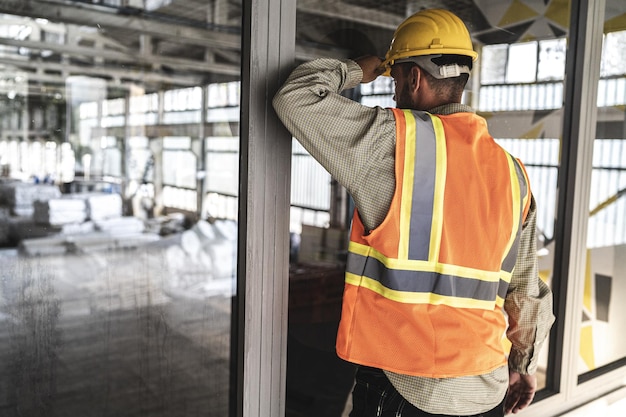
164 44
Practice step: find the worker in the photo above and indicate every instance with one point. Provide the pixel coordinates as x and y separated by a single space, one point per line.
442 260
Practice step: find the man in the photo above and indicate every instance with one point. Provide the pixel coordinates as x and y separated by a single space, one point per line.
443 236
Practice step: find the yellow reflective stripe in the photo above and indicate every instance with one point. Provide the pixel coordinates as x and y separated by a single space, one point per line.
499 301
407 186
419 298
360 249
441 167
427 266
353 279
517 201
506 276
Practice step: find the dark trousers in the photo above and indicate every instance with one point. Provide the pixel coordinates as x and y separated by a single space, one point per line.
375 396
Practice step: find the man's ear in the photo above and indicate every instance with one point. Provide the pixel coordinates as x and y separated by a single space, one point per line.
415 78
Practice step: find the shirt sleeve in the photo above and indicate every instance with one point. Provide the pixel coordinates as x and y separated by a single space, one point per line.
353 142
528 302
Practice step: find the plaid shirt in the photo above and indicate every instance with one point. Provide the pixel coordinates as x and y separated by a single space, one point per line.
356 145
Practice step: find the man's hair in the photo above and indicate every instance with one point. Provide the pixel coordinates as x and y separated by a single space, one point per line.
450 88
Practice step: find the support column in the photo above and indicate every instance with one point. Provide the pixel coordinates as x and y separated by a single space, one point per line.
260 337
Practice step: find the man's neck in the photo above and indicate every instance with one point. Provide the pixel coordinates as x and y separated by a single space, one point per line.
450 108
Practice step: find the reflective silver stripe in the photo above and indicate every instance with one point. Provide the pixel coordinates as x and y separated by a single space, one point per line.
425 281
423 187
502 289
355 264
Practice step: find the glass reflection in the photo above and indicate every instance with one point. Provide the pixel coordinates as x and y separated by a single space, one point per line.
118 209
109 333
603 314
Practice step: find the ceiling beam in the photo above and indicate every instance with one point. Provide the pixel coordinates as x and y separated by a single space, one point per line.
351 13
177 63
48 84
98 17
104 72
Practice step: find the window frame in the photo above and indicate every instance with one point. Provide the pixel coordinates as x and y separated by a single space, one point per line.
263 244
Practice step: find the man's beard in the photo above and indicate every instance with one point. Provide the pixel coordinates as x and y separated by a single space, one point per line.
403 99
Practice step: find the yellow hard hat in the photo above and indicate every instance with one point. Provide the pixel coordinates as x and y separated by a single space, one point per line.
429 32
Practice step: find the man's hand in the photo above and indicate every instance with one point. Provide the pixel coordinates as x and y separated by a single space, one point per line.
521 392
371 67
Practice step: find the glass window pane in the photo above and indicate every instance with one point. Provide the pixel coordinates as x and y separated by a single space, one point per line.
614 54
551 60
522 63
183 172
603 312
493 64
118 208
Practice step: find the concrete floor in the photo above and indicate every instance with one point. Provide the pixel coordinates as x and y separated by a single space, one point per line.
99 335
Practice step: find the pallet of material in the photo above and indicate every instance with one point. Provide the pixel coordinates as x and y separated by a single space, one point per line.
20 196
91 242
120 225
59 211
84 243
5 227
5 236
101 206
134 240
26 228
102 241
77 228
43 246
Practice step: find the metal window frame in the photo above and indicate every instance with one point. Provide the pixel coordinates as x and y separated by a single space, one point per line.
611 377
260 305
579 119
565 391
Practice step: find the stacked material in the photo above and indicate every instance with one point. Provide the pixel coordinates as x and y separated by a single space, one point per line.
4 226
75 209
202 262
42 246
83 243
320 244
81 223
102 241
77 228
20 197
59 211
120 225
21 228
102 206
222 248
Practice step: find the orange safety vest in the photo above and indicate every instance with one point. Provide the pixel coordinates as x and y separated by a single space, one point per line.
424 291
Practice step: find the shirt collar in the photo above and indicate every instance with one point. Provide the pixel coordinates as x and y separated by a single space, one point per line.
451 108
